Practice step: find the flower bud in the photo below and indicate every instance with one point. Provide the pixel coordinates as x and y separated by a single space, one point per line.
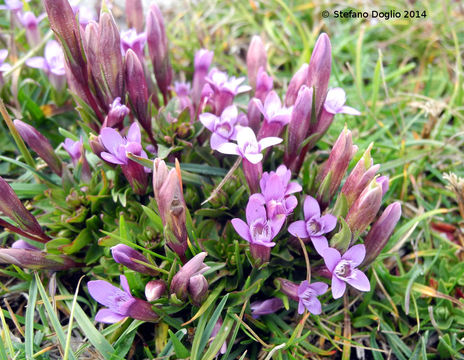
364 209
141 310
116 114
295 84
96 145
181 281
39 144
265 307
380 232
384 183
110 57
264 84
125 255
342 152
202 62
288 287
256 59
21 244
198 288
154 289
360 176
158 49
167 187
254 116
134 14
33 259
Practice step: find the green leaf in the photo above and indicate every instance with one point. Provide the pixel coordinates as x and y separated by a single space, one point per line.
180 350
342 239
30 312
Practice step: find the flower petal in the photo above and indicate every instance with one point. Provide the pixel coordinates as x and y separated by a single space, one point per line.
298 229
319 287
359 281
253 158
134 133
269 141
111 139
356 254
314 306
331 258
110 158
228 148
242 229
349 110
208 120
37 62
104 293
338 287
320 243
311 208
216 141
255 210
108 317
328 222
124 284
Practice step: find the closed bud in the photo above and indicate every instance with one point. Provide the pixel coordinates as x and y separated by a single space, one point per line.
256 59
360 177
198 289
384 183
154 289
132 259
158 49
11 206
167 187
295 84
110 57
364 209
39 144
264 84
181 281
36 260
254 116
288 287
96 145
380 232
134 14
202 62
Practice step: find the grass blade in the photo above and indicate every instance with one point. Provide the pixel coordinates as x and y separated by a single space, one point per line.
30 310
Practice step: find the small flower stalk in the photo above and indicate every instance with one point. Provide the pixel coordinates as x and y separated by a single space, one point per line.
132 259
189 280
119 304
167 186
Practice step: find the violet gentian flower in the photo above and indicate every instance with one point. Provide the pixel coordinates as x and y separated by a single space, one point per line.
285 175
265 307
74 149
275 115
117 148
125 255
223 89
259 230
344 269
131 40
120 304
52 63
248 147
335 103
31 24
314 226
307 297
223 128
116 114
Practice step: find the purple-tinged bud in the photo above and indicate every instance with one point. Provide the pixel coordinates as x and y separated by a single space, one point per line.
264 84
198 289
138 91
91 44
288 287
110 57
384 183
380 232
319 69
116 114
265 307
254 116
125 255
134 14
11 206
181 281
337 164
299 124
215 331
21 244
96 145
364 209
154 289
37 142
158 49
295 84
167 187
360 177
202 62
34 259
256 59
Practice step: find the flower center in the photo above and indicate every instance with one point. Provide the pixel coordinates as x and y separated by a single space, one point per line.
224 130
344 269
313 227
251 148
261 231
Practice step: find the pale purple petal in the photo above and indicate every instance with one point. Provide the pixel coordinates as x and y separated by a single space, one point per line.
241 228
108 317
301 307
111 158
349 110
265 307
216 141
331 258
328 222
298 229
320 243
292 188
254 211
359 281
269 141
111 139
229 149
208 120
314 306
338 287
3 55
356 254
253 158
37 62
106 294
319 287
245 136
311 208
134 133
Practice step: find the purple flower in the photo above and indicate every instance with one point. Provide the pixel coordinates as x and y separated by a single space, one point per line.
314 225
215 331
343 269
223 128
12 5
256 59
383 181
264 84
265 307
3 65
335 103
125 255
117 147
307 297
273 111
21 244
31 23
74 149
189 279
248 147
276 192
120 304
52 63
116 113
85 14
131 40
258 230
